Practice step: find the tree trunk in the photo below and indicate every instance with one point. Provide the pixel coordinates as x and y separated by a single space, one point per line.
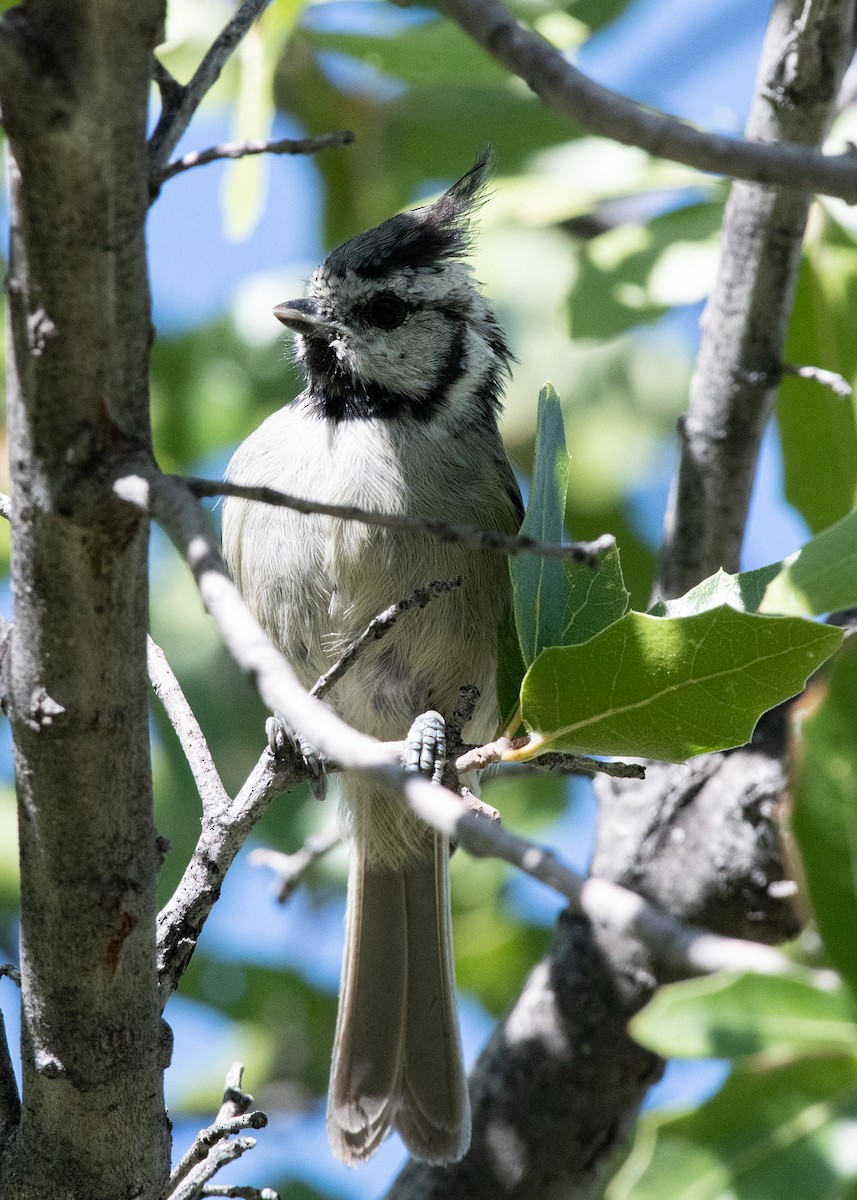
74 79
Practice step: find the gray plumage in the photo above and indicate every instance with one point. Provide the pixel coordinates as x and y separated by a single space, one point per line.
404 361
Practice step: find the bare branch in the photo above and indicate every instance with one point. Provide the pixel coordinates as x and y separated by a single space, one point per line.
213 794
206 1138
290 869
181 919
207 1155
10 971
679 947
179 106
380 625
222 1153
445 531
598 110
830 379
225 150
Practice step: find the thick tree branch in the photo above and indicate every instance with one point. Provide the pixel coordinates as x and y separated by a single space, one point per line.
806 51
598 110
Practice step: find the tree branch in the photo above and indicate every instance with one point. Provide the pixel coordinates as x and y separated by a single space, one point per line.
445 531
378 627
211 1150
290 869
180 103
745 320
226 150
215 798
599 111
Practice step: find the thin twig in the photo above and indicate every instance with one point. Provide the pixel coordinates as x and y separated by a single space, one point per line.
213 794
207 1138
588 553
225 150
599 111
830 379
290 869
191 1187
188 1176
477 757
380 625
178 108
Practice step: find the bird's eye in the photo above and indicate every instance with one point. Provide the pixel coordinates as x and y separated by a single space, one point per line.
387 310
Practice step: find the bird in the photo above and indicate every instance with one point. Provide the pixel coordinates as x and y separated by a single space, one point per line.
405 364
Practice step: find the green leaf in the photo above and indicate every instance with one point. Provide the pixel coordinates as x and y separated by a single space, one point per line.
539 584
669 688
743 592
821 577
559 603
824 818
510 672
817 428
596 599
781 1134
732 1016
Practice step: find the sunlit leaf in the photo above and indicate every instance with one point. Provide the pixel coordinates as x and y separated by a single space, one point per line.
669 688
743 591
821 577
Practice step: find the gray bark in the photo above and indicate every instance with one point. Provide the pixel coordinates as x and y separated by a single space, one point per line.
806 52
74 80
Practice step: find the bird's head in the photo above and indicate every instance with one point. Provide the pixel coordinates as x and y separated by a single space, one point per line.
393 324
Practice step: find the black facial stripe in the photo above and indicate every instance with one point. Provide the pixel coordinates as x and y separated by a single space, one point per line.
338 395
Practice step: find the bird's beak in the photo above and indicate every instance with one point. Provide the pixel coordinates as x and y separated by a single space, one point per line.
303 316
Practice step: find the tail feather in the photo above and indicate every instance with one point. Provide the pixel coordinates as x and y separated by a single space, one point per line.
434 1114
397 1056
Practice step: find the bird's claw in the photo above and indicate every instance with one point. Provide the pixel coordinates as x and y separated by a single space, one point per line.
425 748
284 742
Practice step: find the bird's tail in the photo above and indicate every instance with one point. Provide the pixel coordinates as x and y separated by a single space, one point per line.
397 1055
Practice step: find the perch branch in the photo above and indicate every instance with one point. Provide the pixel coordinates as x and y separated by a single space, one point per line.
682 948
